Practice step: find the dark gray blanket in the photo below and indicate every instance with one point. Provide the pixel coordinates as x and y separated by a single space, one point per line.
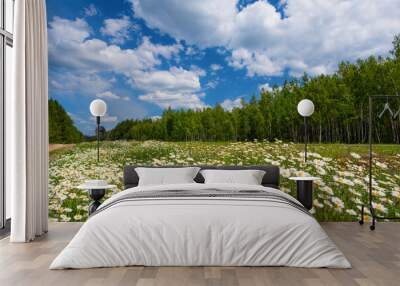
206 194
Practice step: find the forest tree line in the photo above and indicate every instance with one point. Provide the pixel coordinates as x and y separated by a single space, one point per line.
61 126
341 110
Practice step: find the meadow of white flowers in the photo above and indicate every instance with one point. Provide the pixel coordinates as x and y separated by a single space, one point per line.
338 196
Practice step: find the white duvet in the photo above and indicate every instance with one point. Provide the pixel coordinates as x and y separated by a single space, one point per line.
199 231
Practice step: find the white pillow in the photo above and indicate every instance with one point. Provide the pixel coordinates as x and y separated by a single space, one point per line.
248 177
166 176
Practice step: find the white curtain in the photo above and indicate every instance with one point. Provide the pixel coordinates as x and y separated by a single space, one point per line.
27 124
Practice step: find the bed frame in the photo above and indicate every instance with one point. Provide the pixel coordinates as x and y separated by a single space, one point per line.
270 179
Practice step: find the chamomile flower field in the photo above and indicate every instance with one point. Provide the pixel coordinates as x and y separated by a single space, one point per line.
338 196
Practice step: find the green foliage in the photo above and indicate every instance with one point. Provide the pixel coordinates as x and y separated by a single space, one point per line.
341 110
396 47
61 126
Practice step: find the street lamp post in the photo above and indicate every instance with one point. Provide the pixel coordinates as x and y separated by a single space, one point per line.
98 109
305 109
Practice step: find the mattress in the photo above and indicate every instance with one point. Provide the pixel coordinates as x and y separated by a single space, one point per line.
201 225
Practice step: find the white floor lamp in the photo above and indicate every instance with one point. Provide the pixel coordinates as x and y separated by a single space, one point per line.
98 108
305 109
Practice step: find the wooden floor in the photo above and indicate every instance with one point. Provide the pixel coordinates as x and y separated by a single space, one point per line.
375 257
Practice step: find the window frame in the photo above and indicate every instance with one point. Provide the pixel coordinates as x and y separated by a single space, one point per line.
6 39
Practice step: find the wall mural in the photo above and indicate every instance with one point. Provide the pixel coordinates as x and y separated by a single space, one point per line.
183 92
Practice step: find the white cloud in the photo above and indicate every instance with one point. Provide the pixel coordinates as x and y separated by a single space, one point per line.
256 63
211 84
204 23
215 67
70 46
91 57
118 29
86 83
109 119
194 52
173 79
57 85
229 104
175 88
197 70
265 87
313 36
165 99
108 95
91 10
190 51
68 31
104 119
282 3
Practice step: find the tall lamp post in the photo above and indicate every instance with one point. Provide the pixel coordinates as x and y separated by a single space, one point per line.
305 109
98 109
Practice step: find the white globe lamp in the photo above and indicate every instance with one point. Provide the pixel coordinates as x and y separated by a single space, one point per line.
305 108
98 108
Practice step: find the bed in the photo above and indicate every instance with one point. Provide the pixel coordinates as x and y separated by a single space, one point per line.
198 224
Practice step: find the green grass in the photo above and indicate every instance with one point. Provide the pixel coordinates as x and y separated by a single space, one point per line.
338 197
343 150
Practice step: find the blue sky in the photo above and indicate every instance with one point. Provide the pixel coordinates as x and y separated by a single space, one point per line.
142 56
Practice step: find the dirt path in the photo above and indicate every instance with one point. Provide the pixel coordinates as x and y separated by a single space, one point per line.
53 147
